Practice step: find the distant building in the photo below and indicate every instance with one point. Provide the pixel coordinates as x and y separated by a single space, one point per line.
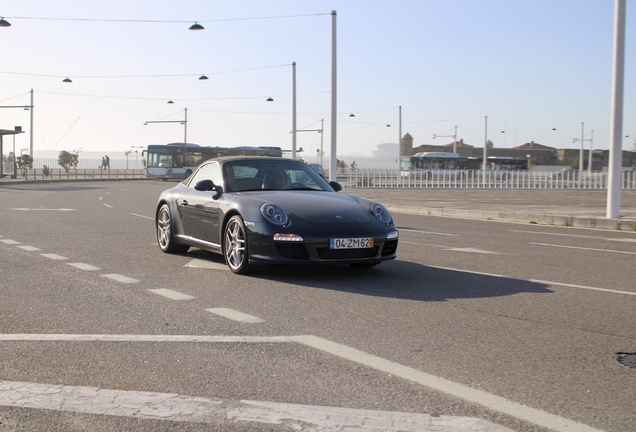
540 154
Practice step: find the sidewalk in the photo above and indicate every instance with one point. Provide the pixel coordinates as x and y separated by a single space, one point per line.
578 208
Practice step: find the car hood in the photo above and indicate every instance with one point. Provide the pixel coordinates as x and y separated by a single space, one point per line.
316 207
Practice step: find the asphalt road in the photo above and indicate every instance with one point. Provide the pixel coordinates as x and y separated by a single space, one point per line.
478 325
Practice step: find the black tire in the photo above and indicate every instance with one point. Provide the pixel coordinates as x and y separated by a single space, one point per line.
235 246
165 238
365 265
188 173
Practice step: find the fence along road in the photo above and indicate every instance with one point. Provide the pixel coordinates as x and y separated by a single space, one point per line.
475 179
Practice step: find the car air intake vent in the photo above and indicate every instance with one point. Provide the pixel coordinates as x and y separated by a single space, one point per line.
389 247
327 254
292 250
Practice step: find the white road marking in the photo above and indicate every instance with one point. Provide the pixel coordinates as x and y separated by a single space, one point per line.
109 206
54 257
200 263
578 236
83 266
472 250
452 249
174 295
427 232
175 407
43 209
9 242
30 248
235 315
583 248
551 283
478 397
142 216
461 391
120 278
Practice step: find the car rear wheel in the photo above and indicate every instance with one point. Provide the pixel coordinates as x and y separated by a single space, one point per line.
235 246
165 238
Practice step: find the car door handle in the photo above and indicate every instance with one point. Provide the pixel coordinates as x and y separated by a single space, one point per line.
184 203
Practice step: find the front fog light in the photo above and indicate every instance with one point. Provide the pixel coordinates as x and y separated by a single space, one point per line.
288 237
392 235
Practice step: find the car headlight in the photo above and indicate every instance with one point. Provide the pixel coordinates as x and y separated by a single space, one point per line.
274 214
381 213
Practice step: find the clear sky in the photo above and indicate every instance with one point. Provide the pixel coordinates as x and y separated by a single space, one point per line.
528 65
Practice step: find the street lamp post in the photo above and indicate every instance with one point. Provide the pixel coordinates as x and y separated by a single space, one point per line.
184 122
454 137
581 152
320 131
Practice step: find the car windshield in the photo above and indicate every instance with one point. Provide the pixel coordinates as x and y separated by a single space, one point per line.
251 175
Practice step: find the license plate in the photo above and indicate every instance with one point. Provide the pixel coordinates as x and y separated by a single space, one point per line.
351 243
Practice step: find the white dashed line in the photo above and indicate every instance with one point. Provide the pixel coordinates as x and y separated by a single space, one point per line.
472 250
109 206
142 216
9 242
83 266
120 278
42 209
583 248
174 295
577 236
428 232
544 282
207 264
235 315
54 256
30 248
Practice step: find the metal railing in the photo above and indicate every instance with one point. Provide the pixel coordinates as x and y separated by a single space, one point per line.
477 179
81 174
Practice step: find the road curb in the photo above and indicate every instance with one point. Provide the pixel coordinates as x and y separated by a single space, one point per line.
538 218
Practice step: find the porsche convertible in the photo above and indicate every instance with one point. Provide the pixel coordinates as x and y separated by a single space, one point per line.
264 210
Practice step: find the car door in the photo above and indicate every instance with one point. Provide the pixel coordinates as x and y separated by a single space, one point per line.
199 210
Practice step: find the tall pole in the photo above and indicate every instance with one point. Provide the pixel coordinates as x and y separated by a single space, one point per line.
455 141
185 127
485 163
399 160
322 134
589 158
616 132
581 156
334 123
294 110
31 128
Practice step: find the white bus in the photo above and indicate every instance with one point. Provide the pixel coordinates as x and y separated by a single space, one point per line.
179 160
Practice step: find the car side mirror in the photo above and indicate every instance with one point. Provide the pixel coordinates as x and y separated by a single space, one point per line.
335 185
208 186
219 192
204 185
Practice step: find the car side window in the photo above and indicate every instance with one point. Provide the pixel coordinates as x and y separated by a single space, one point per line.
207 172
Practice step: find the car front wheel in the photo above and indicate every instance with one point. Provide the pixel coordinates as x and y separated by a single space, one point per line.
235 247
165 237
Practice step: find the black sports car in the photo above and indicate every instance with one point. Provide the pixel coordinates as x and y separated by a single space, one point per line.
265 210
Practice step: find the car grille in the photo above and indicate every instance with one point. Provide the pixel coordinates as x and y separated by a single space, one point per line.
389 247
292 250
327 254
